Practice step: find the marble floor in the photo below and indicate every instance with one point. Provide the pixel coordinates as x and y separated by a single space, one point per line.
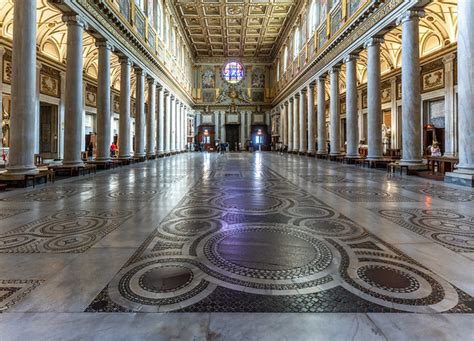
238 247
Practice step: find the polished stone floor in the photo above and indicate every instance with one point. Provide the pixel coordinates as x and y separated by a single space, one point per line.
239 246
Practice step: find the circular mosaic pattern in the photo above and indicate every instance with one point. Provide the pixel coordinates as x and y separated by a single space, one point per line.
387 278
333 227
197 212
81 225
68 242
166 279
465 243
14 241
267 252
190 227
251 203
313 212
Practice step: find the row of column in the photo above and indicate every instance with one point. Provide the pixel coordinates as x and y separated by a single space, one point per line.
159 132
297 111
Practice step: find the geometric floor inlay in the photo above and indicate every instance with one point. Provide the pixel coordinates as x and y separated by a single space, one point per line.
13 291
442 192
10 212
64 231
366 194
48 194
443 226
230 246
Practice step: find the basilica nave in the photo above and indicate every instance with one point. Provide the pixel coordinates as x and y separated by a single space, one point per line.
237 169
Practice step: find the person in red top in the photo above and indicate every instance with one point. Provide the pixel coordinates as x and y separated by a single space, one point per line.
113 149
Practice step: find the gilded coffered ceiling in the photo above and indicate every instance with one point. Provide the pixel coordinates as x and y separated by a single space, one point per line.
235 28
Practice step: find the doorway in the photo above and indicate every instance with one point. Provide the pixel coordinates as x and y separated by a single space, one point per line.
232 133
48 146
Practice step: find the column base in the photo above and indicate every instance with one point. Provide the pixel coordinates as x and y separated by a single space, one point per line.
302 152
353 156
375 157
20 171
311 154
459 178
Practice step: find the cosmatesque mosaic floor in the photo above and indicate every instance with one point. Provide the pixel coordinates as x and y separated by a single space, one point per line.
237 233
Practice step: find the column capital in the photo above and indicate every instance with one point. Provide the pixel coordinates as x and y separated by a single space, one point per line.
311 86
103 43
74 19
411 14
290 100
124 60
334 69
322 78
297 95
351 57
285 103
150 80
373 42
166 92
449 58
139 71
303 90
172 97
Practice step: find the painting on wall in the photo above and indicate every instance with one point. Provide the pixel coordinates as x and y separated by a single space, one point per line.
91 95
323 10
257 96
258 79
49 85
386 95
433 80
208 79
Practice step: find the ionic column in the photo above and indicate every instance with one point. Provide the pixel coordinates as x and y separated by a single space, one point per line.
303 123
167 129
103 102
296 124
23 90
285 123
73 106
352 116
411 99
185 129
374 115
173 123
311 119
160 131
139 113
124 120
179 143
335 112
290 125
465 173
242 129
222 122
322 146
150 119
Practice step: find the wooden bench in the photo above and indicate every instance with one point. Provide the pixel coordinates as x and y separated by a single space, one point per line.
47 175
391 167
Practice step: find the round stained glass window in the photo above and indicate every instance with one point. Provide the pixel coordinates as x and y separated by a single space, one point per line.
233 72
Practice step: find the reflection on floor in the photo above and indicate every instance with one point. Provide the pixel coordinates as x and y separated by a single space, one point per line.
238 233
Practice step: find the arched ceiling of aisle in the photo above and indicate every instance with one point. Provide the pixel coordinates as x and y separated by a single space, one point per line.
438 29
52 38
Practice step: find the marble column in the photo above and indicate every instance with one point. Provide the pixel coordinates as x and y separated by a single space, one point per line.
223 132
2 52
335 112
73 91
303 122
161 121
249 124
411 99
167 130
150 119
374 115
395 128
290 124
23 91
311 119
124 120
180 128
173 101
103 102
296 124
352 117
464 175
285 123
242 130
322 146
139 113
451 131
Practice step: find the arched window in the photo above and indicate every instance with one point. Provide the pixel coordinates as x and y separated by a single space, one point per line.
296 43
285 59
278 71
312 18
150 12
173 42
167 31
159 19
